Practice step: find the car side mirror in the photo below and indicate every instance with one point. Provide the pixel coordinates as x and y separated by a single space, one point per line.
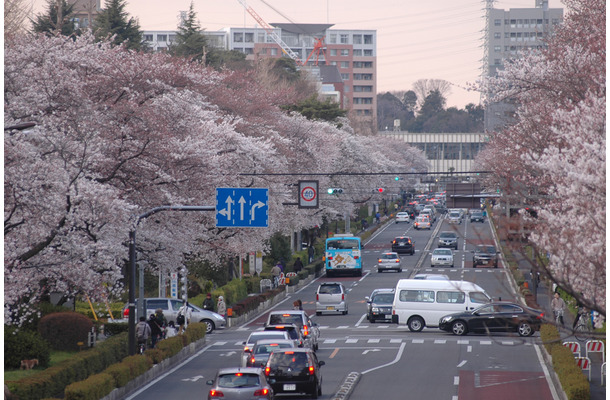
210 382
320 363
367 299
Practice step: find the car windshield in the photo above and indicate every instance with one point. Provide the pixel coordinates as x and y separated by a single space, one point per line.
238 379
448 235
442 252
342 244
389 256
384 298
486 249
295 361
329 289
280 319
269 348
477 213
454 215
261 336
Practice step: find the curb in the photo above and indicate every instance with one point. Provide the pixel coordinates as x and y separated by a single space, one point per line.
346 389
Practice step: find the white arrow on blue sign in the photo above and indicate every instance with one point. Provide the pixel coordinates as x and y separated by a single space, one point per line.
242 207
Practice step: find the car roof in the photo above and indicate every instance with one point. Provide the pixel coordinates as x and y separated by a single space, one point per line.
294 349
280 326
390 252
233 370
289 312
452 233
384 290
272 341
261 333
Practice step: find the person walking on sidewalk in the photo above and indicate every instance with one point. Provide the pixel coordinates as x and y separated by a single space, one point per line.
558 306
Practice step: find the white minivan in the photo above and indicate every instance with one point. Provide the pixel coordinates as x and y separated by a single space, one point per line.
420 303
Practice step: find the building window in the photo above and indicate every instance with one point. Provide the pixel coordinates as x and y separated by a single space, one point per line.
345 76
344 64
161 38
249 38
148 38
357 39
333 38
452 151
172 38
497 61
363 77
368 39
506 35
263 51
261 37
363 64
368 52
497 49
469 150
273 51
497 35
433 151
249 50
333 52
238 37
367 89
333 63
497 22
344 38
345 52
357 52
362 100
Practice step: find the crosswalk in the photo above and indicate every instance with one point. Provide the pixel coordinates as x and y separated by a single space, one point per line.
486 341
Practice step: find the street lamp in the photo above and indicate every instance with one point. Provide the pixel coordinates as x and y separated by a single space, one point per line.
132 268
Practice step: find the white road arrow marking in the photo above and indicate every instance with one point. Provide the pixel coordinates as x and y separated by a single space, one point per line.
229 354
258 204
193 379
227 211
241 202
366 351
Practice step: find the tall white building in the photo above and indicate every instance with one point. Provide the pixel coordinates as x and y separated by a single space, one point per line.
509 34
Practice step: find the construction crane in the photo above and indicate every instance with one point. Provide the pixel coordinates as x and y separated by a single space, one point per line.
318 46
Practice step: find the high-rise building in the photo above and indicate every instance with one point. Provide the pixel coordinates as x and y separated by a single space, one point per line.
353 53
509 34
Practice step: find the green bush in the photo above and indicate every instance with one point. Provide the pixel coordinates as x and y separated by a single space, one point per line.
120 374
293 281
24 345
114 328
63 330
171 346
93 388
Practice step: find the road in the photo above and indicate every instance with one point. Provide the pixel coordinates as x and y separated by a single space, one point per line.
390 359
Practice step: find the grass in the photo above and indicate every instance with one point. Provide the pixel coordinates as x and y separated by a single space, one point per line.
56 357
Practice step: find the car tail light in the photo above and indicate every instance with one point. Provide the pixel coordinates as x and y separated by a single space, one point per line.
311 370
305 330
247 349
267 371
356 257
398 261
541 316
329 257
261 392
252 361
216 393
343 296
317 297
379 260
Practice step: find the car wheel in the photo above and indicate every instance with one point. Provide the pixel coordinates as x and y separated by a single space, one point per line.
209 325
399 270
318 313
525 329
416 324
344 312
314 393
496 265
378 270
372 320
319 390
459 328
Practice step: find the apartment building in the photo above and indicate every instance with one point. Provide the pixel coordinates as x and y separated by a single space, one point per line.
85 12
353 54
511 33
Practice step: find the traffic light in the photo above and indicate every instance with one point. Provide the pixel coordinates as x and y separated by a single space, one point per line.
397 178
380 190
334 190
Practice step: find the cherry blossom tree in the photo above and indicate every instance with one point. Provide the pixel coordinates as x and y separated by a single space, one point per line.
553 157
119 133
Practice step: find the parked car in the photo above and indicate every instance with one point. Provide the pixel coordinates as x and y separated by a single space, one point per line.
494 317
454 217
295 371
379 305
309 329
402 217
388 261
331 297
240 383
441 257
403 244
171 307
485 255
263 349
255 337
422 222
477 216
432 277
448 239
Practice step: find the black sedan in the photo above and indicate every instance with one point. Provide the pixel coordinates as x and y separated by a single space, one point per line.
494 317
485 255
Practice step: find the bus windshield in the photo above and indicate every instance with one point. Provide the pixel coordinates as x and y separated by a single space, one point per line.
343 244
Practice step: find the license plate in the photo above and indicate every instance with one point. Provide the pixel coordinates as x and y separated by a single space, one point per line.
483 261
331 308
291 387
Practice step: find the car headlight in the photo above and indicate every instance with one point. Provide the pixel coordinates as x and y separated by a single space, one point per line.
375 309
446 319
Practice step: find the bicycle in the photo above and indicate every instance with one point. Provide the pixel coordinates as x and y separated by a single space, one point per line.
558 317
583 328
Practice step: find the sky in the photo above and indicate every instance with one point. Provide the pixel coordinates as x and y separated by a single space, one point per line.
442 39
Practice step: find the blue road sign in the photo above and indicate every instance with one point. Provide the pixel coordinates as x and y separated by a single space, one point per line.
242 207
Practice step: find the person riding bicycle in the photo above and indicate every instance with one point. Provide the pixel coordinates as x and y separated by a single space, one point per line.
558 306
581 311
275 272
143 332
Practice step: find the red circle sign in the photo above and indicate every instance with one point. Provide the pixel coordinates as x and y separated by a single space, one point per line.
308 193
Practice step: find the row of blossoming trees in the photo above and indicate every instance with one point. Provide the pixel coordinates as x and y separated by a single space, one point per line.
555 155
119 132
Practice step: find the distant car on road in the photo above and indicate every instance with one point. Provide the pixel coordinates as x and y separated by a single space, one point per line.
379 305
454 217
485 255
494 317
240 383
402 217
403 244
309 329
441 257
388 261
448 239
331 297
477 216
293 371
263 349
422 222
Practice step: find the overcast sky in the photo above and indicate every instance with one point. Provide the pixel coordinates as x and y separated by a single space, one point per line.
441 39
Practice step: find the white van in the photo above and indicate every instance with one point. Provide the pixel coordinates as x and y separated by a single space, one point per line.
420 303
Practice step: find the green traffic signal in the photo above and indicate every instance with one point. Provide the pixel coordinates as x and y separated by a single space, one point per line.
397 178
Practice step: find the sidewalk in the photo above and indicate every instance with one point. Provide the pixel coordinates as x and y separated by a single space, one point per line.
543 298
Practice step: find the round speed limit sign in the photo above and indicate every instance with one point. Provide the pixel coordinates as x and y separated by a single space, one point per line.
308 194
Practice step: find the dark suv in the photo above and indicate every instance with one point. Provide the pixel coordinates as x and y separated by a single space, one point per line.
295 371
448 239
403 244
379 305
485 255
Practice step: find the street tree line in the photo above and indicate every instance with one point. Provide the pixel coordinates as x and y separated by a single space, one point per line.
119 132
554 156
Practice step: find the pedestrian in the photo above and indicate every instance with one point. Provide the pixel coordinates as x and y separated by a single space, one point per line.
298 304
275 273
142 332
281 264
155 331
377 217
171 330
208 303
184 317
221 307
579 313
558 306
298 265
310 252
162 321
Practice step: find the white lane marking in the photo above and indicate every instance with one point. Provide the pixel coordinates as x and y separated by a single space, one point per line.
456 380
398 355
462 364
469 349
